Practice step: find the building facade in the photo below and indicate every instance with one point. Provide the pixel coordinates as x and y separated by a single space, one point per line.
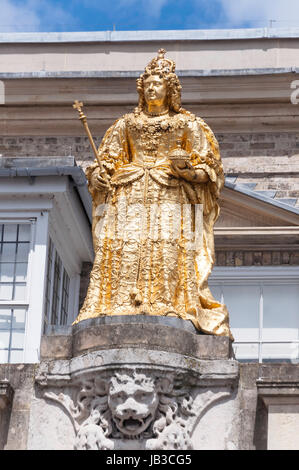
244 84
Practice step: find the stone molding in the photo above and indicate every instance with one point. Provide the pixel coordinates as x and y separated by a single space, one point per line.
257 258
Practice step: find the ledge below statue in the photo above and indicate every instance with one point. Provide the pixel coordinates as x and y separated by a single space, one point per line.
159 333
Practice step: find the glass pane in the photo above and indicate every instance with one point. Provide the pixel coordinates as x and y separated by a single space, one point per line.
246 351
16 357
242 302
6 272
20 292
48 296
5 318
10 232
65 298
56 304
17 340
12 335
281 351
6 291
281 312
18 318
4 339
22 252
8 252
21 272
24 233
3 356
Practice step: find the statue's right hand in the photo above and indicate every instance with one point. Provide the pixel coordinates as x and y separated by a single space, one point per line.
100 181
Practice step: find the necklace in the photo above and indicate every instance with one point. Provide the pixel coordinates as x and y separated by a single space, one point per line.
156 114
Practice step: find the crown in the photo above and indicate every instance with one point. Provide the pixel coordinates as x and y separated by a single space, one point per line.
160 65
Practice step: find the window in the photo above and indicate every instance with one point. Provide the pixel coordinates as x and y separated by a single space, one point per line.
263 304
33 278
44 238
57 297
15 245
23 243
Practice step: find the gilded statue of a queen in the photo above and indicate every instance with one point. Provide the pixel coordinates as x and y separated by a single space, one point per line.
154 207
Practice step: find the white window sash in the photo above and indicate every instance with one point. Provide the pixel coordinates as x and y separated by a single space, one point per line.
33 290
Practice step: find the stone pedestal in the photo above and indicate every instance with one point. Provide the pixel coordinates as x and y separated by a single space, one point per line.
135 383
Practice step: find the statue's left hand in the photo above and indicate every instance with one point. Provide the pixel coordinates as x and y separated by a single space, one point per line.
190 174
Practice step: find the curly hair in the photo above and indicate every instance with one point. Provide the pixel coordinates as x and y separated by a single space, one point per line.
173 91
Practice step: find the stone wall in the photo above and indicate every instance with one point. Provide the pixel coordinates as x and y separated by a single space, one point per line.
240 397
18 430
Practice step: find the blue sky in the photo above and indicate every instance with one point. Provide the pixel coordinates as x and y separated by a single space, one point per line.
99 15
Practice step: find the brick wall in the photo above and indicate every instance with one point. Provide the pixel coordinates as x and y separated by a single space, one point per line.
231 145
271 144
78 147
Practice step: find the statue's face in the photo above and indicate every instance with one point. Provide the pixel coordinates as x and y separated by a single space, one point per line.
155 90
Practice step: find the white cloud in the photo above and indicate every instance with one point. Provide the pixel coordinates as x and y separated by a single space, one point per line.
152 8
16 17
32 15
259 13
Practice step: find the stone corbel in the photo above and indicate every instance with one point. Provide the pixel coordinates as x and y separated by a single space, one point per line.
136 398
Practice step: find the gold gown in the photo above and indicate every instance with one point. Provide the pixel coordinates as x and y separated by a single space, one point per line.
153 232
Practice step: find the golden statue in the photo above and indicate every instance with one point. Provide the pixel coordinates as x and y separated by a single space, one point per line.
155 184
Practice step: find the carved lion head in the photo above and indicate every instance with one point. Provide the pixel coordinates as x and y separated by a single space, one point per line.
133 402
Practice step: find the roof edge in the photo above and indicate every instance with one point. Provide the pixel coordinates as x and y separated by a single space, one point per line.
153 35
261 197
12 167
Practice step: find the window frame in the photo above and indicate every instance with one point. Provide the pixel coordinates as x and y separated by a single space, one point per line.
35 281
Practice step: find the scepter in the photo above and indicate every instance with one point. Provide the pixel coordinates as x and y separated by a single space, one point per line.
78 105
